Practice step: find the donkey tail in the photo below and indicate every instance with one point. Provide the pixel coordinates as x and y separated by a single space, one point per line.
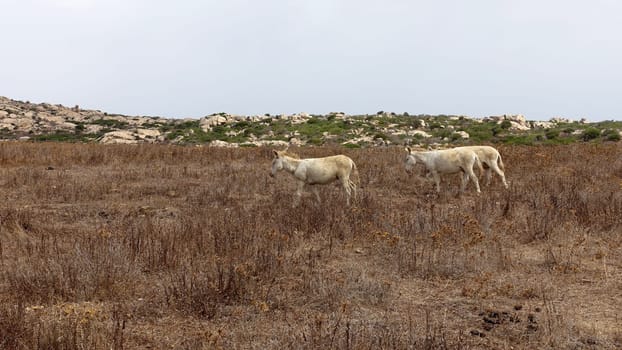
357 183
500 161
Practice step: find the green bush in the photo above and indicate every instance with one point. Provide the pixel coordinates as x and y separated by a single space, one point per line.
381 135
110 123
506 124
190 124
316 141
519 140
455 136
434 125
590 134
59 137
611 135
240 125
551 134
415 123
440 133
351 145
174 134
481 132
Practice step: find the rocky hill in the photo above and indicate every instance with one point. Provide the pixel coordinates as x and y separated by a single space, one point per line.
53 122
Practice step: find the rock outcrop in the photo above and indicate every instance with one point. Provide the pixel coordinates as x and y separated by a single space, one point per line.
21 120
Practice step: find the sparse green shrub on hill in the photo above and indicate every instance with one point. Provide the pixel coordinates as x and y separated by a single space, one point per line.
442 133
551 134
351 145
381 135
316 141
481 132
519 139
240 125
62 136
455 137
111 123
590 134
434 125
315 128
506 124
415 122
611 135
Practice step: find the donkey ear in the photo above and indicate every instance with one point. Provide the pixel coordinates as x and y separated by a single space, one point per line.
408 150
276 154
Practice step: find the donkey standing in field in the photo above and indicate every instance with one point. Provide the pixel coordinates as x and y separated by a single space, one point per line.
491 159
316 171
447 161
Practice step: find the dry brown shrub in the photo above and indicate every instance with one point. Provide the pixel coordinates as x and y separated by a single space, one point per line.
161 246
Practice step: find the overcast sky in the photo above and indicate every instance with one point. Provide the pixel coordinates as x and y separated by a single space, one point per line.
190 58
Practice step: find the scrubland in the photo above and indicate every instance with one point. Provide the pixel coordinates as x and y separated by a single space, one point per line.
159 246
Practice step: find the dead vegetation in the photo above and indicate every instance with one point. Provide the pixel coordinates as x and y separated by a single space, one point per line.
156 246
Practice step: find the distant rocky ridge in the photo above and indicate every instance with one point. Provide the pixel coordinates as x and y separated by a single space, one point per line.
43 121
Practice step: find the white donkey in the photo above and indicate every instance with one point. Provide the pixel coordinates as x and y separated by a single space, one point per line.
316 171
491 159
447 161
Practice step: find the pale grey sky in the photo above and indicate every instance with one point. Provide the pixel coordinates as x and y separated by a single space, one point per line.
190 58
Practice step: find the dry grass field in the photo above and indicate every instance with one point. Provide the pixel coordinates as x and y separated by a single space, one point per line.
170 247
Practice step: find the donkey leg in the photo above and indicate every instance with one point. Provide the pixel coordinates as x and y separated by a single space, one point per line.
317 194
437 180
464 179
501 175
298 195
474 179
488 176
